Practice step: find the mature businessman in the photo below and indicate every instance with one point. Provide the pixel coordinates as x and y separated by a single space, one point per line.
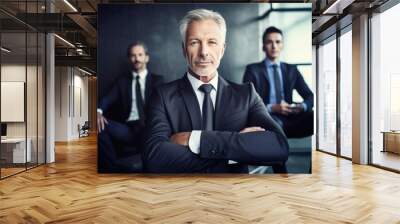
120 134
202 123
275 80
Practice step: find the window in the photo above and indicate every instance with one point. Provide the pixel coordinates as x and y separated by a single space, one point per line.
346 94
385 85
22 76
327 97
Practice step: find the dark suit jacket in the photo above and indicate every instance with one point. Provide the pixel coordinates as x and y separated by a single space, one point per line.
292 79
174 108
117 104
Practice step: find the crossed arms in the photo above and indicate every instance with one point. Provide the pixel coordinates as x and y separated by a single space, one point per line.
256 146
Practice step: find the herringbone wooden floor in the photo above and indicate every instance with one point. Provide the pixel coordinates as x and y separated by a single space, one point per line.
71 191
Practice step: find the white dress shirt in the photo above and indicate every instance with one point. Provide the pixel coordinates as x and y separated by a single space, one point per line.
194 139
134 114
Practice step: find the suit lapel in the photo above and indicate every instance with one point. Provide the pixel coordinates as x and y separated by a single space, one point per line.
222 95
285 80
129 90
263 71
264 76
147 89
191 103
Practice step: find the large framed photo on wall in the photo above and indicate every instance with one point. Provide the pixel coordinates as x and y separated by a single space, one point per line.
205 88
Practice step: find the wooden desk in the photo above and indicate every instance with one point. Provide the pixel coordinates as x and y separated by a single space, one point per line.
391 141
13 150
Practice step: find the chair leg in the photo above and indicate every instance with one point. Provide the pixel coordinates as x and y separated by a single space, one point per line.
259 170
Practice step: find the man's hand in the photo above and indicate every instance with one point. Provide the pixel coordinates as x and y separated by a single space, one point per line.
101 122
283 108
181 138
297 108
252 129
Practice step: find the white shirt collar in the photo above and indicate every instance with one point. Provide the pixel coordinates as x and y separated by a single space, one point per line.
141 74
197 83
269 63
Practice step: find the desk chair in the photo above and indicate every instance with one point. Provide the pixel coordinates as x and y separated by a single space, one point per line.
84 130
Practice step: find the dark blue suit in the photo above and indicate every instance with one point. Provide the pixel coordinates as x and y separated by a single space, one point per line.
120 143
117 104
174 108
298 125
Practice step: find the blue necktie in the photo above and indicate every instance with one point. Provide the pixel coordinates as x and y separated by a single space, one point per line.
277 82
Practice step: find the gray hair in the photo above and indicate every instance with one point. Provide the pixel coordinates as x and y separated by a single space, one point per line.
199 15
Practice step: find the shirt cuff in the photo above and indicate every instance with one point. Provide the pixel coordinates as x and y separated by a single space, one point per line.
269 108
194 141
100 111
304 106
194 144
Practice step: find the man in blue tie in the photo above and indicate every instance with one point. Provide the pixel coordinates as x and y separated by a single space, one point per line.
275 81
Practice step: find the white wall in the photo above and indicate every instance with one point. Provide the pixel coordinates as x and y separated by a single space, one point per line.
61 103
71 94
14 73
17 73
80 105
33 126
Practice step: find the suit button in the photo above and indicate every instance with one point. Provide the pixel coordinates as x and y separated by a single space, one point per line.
213 151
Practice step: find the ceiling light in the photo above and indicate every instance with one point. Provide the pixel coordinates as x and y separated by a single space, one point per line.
65 41
84 71
329 9
5 50
338 6
70 5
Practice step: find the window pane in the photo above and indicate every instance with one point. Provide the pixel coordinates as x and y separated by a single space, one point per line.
31 100
346 94
385 83
41 98
14 153
327 97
